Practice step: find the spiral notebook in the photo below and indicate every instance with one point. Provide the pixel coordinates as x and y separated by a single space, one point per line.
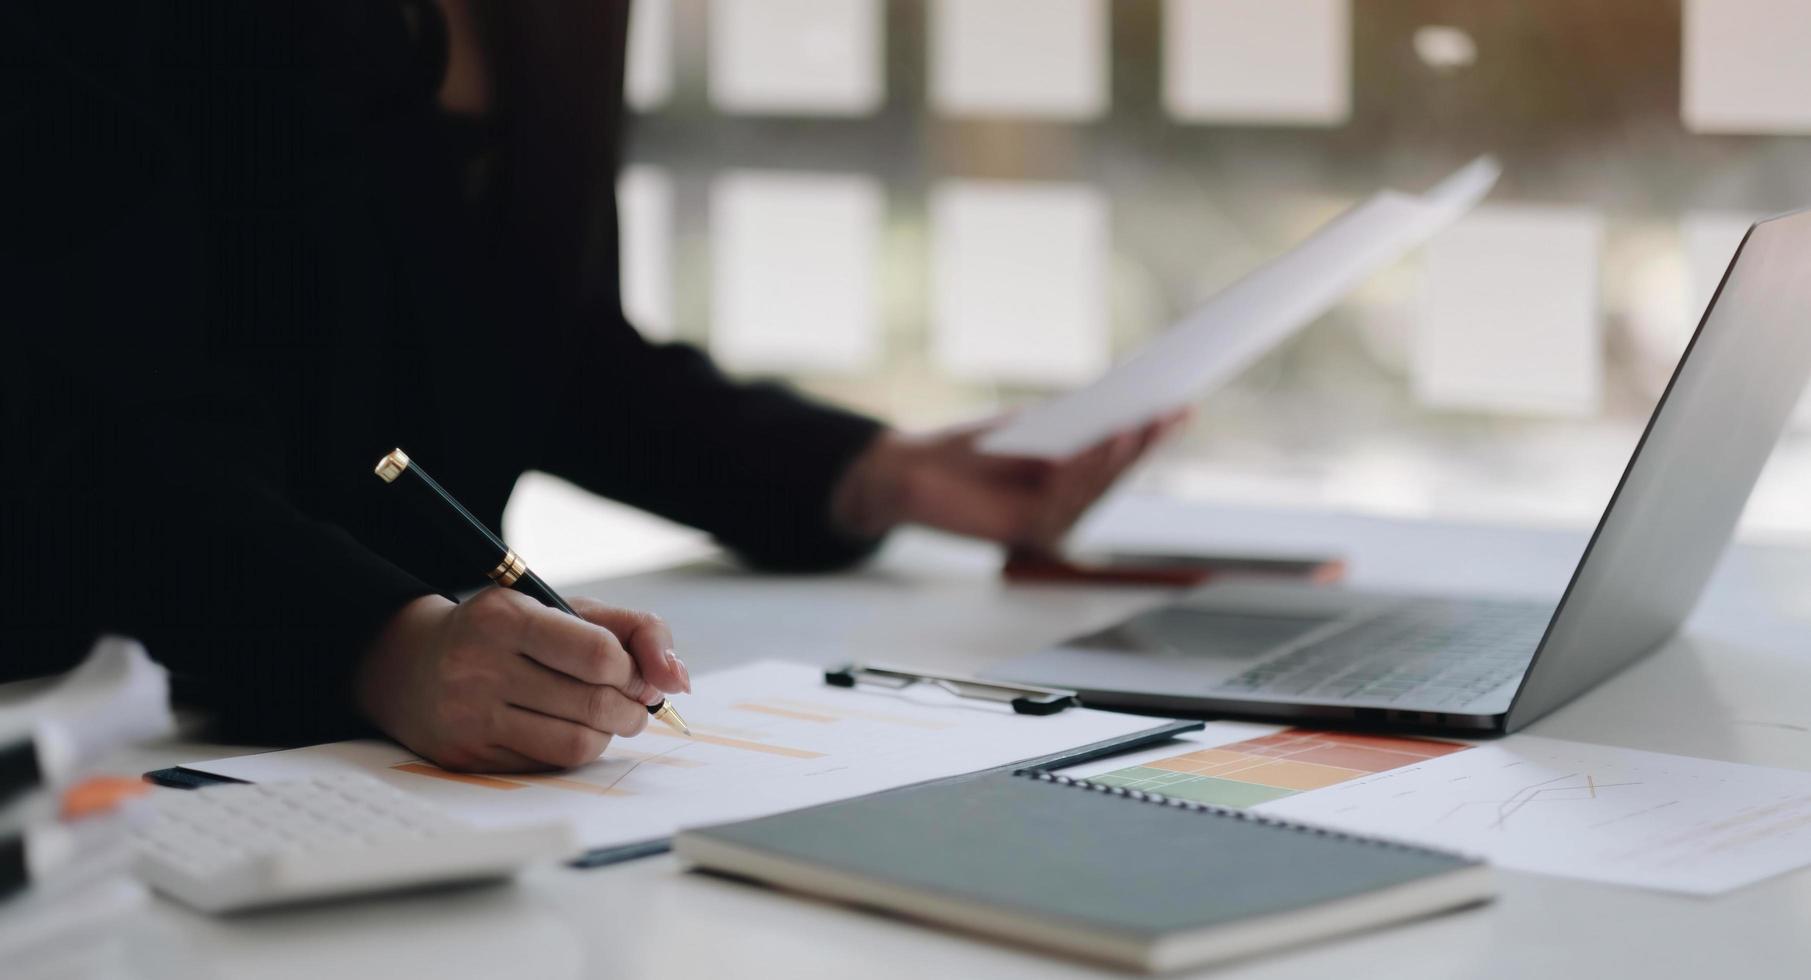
1086 870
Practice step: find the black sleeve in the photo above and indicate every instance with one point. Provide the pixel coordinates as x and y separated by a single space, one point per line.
142 493
657 426
169 530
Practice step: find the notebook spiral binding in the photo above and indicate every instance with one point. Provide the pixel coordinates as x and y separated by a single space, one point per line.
1223 811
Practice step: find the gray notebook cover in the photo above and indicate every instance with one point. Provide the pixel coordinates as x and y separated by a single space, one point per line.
1055 851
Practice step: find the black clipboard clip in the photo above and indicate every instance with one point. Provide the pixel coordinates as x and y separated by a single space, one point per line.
1025 699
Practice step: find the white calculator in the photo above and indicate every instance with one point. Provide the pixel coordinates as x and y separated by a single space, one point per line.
232 847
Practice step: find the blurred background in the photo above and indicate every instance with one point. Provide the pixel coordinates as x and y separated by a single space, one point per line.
932 210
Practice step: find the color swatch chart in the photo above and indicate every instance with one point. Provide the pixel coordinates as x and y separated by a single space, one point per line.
1270 767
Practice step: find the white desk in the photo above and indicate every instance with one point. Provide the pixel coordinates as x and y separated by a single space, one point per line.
1737 687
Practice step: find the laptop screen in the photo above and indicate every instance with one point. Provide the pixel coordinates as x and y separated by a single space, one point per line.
1686 484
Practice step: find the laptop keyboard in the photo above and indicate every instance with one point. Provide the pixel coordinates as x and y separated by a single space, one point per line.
1444 654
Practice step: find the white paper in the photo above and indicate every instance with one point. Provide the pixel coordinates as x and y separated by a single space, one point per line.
1508 318
116 697
1263 62
1594 812
769 737
1744 66
805 57
71 936
1244 321
1028 58
1018 281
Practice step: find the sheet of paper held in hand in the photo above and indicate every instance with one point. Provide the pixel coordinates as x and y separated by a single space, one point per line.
769 737
1244 321
1526 803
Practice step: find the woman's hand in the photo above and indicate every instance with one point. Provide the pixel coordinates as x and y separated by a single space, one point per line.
943 481
501 683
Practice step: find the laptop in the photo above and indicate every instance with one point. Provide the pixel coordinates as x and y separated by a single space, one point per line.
1467 665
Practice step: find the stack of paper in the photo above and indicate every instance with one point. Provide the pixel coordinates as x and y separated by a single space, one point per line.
1244 321
67 882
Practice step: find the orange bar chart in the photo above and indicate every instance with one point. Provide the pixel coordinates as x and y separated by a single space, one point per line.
850 711
469 779
778 712
572 785
747 745
1271 767
653 758
511 782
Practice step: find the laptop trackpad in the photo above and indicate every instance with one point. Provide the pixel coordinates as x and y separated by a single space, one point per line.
1177 648
1200 634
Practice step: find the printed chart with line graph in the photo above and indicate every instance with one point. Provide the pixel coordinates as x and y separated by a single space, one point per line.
1573 787
1584 811
1271 767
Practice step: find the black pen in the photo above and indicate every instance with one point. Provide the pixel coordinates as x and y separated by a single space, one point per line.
471 536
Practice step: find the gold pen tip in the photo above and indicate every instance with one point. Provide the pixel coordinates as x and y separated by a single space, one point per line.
669 714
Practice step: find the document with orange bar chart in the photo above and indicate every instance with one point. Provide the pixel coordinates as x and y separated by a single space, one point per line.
1526 803
767 737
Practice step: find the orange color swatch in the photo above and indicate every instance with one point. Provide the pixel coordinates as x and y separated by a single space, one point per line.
740 743
470 779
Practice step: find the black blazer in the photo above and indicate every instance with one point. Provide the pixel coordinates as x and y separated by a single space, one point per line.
245 255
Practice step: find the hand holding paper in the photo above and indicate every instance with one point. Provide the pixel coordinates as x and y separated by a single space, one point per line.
943 480
1244 321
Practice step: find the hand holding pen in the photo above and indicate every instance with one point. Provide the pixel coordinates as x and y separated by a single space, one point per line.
512 680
